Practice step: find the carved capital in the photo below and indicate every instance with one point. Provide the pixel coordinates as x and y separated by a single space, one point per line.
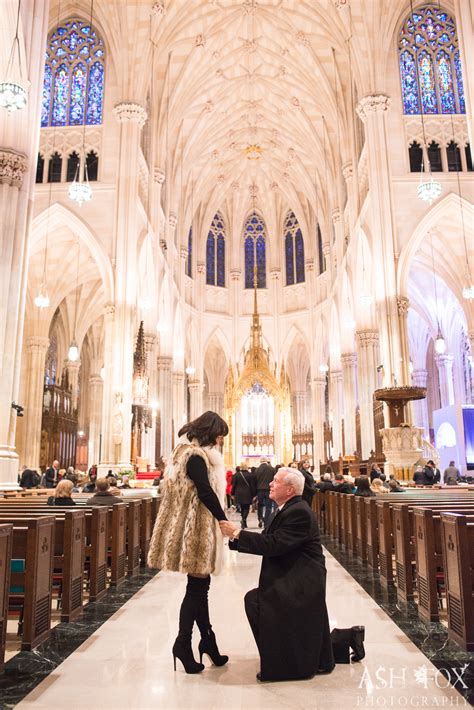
275 274
403 304
183 253
235 274
335 377
96 381
348 170
36 343
319 384
234 185
73 367
109 311
373 103
159 176
309 264
367 338
128 112
13 166
336 215
201 267
348 360
340 4
164 363
172 220
444 361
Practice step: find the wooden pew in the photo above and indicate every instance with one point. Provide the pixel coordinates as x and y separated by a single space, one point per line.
458 555
361 528
6 536
145 529
33 542
133 537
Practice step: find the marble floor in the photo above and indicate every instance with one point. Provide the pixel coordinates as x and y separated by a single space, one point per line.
127 662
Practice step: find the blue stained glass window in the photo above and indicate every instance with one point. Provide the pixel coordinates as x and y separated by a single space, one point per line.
299 253
73 91
45 107
255 251
210 260
458 71
290 262
189 260
78 95
220 260
294 250
215 252
438 80
60 96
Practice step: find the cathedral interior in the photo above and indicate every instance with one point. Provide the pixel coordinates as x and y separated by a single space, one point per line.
263 208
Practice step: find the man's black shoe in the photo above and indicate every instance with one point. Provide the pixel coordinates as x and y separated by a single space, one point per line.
260 523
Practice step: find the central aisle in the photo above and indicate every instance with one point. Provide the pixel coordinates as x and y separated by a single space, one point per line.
127 663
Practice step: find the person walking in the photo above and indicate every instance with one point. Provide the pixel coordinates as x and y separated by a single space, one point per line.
186 537
244 491
264 475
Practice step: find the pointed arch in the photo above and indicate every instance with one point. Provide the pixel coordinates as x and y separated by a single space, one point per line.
215 252
255 243
294 250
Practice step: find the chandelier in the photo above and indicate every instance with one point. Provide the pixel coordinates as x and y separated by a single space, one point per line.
42 299
13 93
468 293
79 190
429 190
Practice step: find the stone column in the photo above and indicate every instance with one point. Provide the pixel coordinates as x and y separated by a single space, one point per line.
19 137
349 371
336 404
166 405
445 373
96 389
73 376
348 173
149 438
299 401
36 349
403 304
179 403
216 402
131 118
109 407
367 361
465 32
338 245
420 407
372 110
195 393
318 392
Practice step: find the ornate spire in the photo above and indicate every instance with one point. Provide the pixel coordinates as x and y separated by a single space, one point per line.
140 382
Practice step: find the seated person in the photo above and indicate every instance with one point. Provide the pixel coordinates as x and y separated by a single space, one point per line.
363 487
341 484
113 486
394 486
103 495
377 486
62 494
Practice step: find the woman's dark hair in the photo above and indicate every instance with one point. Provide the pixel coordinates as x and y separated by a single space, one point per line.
363 484
205 429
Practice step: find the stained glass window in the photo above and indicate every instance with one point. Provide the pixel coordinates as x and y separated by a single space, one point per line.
189 259
430 66
294 250
73 87
215 252
255 251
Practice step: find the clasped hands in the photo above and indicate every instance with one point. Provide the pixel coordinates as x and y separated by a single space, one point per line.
228 528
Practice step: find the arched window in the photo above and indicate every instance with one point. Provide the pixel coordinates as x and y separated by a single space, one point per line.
294 250
39 168
189 258
428 37
415 152
454 157
255 251
92 162
434 156
322 258
54 168
71 169
73 88
215 252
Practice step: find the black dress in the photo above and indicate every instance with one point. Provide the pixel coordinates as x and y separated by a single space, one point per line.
196 469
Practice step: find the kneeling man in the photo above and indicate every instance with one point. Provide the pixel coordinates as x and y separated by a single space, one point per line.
287 612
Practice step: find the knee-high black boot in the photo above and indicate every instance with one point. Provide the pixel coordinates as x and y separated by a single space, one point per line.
182 648
208 644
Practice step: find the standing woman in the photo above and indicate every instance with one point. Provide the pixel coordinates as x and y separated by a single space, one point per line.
186 537
244 490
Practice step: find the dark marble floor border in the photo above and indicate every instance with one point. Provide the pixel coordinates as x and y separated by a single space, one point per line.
27 669
430 638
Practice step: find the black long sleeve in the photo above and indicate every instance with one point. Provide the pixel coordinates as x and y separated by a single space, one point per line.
197 472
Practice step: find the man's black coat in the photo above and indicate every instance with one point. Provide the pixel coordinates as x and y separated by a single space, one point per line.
293 626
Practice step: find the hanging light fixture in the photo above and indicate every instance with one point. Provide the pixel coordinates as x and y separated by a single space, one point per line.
73 352
190 370
80 190
13 90
440 343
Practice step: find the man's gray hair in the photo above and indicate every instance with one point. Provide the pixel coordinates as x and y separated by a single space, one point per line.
294 478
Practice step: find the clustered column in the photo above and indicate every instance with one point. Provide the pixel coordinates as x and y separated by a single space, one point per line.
336 405
36 349
419 378
165 396
195 396
96 387
349 369
367 359
319 415
445 373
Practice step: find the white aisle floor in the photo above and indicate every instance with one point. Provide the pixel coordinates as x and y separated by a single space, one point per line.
127 663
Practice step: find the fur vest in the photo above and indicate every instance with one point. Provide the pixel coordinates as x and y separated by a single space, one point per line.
186 537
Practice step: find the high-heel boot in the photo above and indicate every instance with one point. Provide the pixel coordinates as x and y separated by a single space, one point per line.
357 643
208 644
182 648
340 641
